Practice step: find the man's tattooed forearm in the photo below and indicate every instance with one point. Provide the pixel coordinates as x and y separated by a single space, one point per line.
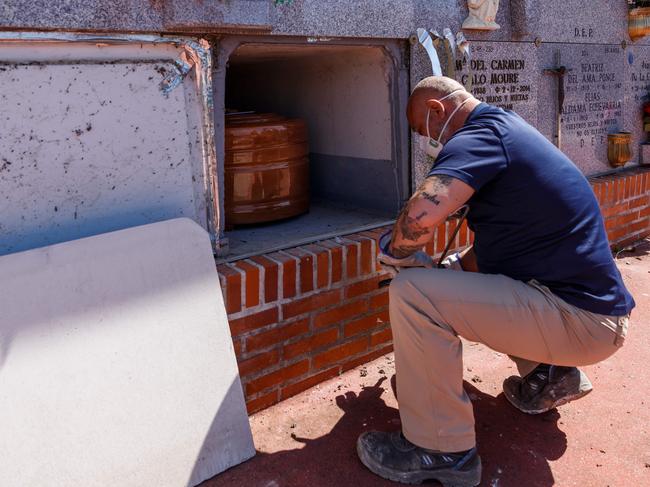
411 229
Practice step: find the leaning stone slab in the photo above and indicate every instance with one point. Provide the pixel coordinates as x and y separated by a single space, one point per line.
116 363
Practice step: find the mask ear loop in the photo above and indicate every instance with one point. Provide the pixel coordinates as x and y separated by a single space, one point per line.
444 127
429 113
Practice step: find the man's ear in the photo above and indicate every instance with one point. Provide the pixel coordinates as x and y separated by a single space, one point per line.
436 107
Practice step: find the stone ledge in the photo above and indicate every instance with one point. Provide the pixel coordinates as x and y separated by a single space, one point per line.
137 15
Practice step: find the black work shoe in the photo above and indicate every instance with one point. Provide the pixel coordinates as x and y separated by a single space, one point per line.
545 388
393 457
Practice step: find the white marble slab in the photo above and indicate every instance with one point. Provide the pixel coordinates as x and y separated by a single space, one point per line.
89 145
116 363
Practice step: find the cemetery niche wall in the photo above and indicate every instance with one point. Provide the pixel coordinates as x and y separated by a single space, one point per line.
573 74
310 308
509 65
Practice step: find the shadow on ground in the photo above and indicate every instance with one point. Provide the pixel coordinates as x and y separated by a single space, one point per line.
638 249
515 448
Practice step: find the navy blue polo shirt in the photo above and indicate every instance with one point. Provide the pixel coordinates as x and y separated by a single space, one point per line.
534 213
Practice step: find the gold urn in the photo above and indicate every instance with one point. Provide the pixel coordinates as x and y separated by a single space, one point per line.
619 148
639 22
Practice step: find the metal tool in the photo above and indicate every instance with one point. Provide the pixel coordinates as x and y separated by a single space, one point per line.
466 54
454 48
559 71
450 51
424 38
438 43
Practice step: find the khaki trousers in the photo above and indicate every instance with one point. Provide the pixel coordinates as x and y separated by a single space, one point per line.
431 308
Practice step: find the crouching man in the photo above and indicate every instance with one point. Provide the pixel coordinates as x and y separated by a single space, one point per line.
539 283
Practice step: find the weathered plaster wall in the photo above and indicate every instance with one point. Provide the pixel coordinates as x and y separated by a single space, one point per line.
523 20
135 15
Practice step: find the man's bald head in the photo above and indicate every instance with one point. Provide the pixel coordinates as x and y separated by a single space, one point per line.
436 87
425 98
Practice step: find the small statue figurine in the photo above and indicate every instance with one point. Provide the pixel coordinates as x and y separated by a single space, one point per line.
482 14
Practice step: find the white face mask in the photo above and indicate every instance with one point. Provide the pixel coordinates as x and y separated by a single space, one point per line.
434 147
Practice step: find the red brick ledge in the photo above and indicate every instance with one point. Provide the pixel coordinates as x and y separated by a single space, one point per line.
624 199
303 315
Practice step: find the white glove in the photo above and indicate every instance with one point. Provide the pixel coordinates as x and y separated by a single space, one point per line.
452 262
392 264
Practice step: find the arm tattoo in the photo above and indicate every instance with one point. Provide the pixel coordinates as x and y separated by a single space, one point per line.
411 228
442 179
431 197
433 186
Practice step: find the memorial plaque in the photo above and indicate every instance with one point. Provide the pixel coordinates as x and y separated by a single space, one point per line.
638 75
637 90
593 104
503 74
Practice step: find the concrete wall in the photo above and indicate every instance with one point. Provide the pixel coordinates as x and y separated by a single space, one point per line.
596 21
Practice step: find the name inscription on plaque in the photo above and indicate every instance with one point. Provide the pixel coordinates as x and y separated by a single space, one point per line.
594 106
502 75
639 85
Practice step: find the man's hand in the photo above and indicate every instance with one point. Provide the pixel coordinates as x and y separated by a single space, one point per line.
438 197
392 265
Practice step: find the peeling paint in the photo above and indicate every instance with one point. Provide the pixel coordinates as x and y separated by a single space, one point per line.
180 69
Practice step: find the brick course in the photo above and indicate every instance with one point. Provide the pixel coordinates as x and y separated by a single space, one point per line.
304 315
624 199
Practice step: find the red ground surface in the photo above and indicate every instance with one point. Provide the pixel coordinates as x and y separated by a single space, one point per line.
600 440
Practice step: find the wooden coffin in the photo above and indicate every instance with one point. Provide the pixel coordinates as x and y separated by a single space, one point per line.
266 168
